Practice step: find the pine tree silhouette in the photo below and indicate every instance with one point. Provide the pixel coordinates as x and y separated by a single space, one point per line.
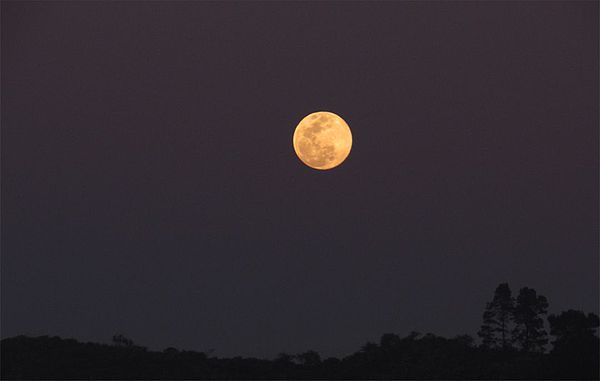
496 319
529 332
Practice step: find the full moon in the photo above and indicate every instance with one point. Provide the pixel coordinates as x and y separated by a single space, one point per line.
322 140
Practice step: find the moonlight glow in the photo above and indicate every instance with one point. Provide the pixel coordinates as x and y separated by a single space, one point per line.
322 140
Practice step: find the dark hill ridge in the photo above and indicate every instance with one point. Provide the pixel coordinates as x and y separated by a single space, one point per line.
513 346
410 357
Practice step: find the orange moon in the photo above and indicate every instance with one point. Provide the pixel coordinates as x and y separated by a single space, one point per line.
322 140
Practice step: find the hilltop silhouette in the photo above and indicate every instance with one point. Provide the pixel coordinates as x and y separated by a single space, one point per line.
513 345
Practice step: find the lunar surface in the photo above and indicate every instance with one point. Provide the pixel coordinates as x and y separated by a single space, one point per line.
322 140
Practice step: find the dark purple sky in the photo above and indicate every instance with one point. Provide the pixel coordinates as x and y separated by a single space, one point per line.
149 185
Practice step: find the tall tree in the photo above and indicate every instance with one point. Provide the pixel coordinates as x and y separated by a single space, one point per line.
497 317
529 332
487 334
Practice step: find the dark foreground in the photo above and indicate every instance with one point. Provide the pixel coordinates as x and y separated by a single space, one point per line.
410 357
513 345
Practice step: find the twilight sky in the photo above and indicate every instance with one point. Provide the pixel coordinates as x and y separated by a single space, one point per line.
150 187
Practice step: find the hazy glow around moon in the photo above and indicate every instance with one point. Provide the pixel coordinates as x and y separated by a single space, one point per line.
322 140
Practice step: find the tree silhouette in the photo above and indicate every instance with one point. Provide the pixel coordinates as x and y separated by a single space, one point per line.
573 325
389 341
284 358
309 359
575 354
576 348
529 331
122 341
496 319
486 332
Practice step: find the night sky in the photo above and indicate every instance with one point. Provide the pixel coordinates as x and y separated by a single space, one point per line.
150 187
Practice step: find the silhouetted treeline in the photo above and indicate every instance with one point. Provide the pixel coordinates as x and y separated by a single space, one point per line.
513 346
